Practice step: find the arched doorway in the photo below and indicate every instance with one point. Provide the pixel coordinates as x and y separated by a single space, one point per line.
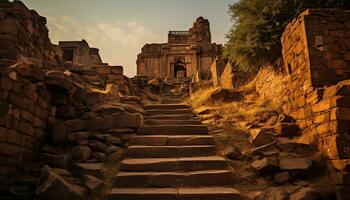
179 70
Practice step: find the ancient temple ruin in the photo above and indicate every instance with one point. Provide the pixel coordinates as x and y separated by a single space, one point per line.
185 53
79 53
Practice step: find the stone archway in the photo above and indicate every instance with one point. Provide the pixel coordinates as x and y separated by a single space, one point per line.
180 70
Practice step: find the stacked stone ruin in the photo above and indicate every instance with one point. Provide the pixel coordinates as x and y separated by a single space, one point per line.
71 117
315 89
74 117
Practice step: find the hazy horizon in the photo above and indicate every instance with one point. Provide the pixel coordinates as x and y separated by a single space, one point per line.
120 28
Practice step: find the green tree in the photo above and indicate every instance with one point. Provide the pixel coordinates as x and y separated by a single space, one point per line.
254 39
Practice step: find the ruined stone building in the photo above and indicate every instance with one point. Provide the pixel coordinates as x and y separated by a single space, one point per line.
79 53
185 53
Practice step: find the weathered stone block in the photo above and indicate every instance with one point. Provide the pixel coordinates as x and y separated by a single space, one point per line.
27 116
322 106
15 138
37 122
21 102
26 128
127 120
100 124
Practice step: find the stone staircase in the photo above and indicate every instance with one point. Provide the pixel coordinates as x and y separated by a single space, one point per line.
173 158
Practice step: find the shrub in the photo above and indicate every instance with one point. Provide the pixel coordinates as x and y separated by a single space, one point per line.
254 39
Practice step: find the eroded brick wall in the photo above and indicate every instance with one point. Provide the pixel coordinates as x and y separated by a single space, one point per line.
23 33
24 109
315 85
24 98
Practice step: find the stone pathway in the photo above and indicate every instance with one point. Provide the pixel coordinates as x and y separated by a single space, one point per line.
173 158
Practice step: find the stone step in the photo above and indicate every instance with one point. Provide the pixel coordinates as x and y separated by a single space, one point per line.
174 179
167 112
174 164
175 140
171 117
172 122
170 151
202 193
166 106
173 129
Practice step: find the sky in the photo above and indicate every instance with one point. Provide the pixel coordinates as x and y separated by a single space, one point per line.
119 28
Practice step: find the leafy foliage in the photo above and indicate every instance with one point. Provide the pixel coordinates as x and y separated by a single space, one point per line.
254 39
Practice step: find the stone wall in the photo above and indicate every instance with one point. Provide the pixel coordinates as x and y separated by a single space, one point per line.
271 84
24 108
42 98
23 34
24 97
315 88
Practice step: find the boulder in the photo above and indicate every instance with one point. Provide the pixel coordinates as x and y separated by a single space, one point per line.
289 163
127 120
54 187
266 165
81 153
258 137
